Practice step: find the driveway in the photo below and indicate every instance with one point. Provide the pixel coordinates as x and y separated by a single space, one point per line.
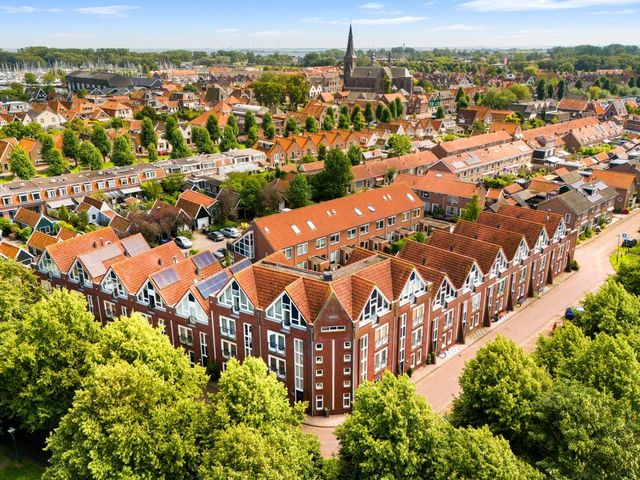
202 243
441 386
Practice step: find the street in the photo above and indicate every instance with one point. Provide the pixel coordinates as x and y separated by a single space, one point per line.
440 386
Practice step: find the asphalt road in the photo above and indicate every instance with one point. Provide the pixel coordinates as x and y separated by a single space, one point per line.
523 327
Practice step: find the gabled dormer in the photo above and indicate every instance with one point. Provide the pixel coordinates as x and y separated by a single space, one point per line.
149 295
47 266
189 307
542 242
446 293
415 287
284 310
560 232
500 264
77 274
377 306
234 298
474 278
522 253
112 284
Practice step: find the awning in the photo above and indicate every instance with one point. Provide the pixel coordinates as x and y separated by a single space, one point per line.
130 190
66 202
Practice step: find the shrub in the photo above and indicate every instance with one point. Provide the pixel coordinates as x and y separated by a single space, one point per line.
185 233
213 370
575 266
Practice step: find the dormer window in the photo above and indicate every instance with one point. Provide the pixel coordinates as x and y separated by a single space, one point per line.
414 288
234 298
78 275
376 306
446 293
111 283
284 310
149 296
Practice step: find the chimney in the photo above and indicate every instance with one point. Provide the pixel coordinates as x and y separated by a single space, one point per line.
175 259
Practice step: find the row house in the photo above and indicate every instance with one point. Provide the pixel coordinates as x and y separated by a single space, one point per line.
425 105
374 173
120 277
468 144
318 237
592 135
443 193
626 186
474 165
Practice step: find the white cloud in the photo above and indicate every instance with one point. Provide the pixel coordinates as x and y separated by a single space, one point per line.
368 21
27 9
276 33
626 11
108 10
372 6
458 27
519 5
226 30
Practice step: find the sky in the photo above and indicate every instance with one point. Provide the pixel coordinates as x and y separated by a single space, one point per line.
264 24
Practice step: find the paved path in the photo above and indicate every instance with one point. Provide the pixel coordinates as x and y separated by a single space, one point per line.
440 385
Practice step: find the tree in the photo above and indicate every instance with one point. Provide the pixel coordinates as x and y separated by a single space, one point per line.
56 165
398 145
267 121
512 118
311 124
173 135
299 192
628 275
390 433
30 78
46 144
172 183
440 112
70 143
148 134
550 90
399 107
146 112
472 210
90 156
268 200
122 153
19 288
611 309
229 139
202 140
368 113
116 123
291 127
213 127
343 122
20 164
565 344
226 205
252 136
249 121
232 121
479 126
335 179
562 89
392 109
499 386
358 121
270 132
322 152
100 139
152 190
498 98
379 111
521 91
580 433
386 115
152 152
541 89
329 121
44 358
355 154
126 420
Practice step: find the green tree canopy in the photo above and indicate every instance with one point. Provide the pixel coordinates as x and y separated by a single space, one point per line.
249 121
368 113
70 143
56 164
311 124
291 127
173 135
122 152
299 192
472 210
90 156
229 139
213 127
148 134
44 357
398 145
565 344
202 140
335 180
19 288
100 139
20 164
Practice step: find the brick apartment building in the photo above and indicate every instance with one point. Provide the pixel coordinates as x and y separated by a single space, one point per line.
319 236
322 332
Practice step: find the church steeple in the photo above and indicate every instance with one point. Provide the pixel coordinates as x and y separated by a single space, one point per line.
350 58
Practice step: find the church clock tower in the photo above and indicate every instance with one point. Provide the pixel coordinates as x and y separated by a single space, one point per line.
350 58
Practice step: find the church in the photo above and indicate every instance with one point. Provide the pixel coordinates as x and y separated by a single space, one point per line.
373 78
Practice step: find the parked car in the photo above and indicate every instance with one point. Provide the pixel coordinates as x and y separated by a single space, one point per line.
218 255
571 312
216 236
222 251
183 242
629 243
230 232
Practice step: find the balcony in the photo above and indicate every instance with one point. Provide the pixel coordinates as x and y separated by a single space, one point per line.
186 340
417 321
381 342
274 347
228 332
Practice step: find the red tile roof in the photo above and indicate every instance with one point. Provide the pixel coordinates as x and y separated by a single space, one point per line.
440 182
64 253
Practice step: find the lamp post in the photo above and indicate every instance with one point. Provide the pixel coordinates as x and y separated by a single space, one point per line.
12 432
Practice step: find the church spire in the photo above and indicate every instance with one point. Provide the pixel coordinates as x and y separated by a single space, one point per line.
350 58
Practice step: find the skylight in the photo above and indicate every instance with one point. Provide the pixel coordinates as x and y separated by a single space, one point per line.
295 229
371 208
311 225
358 212
410 197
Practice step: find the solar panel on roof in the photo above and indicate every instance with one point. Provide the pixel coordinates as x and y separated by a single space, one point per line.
203 259
165 278
135 245
213 284
241 265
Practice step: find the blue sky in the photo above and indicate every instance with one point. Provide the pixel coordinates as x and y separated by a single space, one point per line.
145 24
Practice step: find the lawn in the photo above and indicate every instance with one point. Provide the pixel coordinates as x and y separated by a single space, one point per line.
624 255
13 470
